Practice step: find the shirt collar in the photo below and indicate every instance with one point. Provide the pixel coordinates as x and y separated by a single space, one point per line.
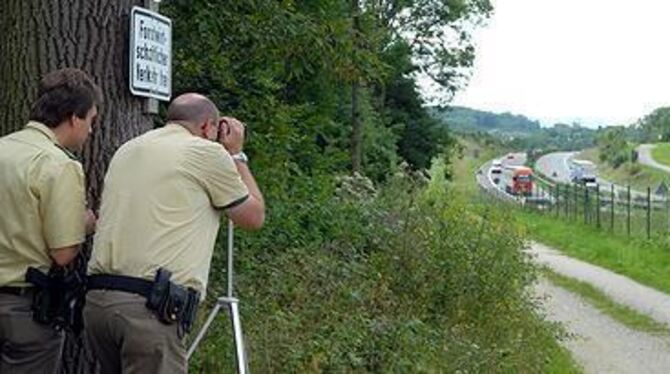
43 129
46 131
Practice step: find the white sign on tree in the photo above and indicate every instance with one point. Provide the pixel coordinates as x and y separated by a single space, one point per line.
150 54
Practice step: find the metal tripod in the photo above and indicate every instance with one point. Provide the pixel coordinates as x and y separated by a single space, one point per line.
232 304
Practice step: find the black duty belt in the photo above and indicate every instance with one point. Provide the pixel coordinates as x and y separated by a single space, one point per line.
17 291
120 283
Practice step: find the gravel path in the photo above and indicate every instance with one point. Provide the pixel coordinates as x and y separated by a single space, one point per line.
644 157
623 290
600 344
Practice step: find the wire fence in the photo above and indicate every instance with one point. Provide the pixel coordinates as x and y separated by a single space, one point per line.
619 210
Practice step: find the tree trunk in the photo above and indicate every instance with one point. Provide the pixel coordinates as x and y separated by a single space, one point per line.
356 124
38 36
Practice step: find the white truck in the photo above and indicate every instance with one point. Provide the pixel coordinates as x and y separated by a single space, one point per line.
583 172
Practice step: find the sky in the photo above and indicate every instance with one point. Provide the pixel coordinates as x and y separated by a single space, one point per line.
597 62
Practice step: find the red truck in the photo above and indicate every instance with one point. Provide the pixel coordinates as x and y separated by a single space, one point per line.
521 183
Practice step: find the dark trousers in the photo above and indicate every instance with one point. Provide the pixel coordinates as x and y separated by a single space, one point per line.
126 337
25 345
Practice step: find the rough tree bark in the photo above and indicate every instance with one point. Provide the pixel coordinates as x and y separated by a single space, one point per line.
37 36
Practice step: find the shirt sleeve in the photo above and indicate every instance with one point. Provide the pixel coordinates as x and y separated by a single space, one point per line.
215 171
63 205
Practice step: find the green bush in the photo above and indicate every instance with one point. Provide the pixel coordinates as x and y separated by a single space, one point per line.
404 278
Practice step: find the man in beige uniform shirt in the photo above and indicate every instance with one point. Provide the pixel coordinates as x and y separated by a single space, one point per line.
43 211
161 209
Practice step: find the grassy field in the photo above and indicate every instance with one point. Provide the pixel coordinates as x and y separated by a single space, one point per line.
639 177
647 262
661 153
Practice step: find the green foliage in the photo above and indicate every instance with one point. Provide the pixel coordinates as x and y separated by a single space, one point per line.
347 275
656 125
466 120
438 35
271 62
517 131
614 147
394 279
560 137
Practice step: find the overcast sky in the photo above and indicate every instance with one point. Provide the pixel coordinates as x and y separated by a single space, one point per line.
595 61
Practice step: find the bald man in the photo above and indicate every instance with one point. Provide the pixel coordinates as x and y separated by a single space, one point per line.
161 209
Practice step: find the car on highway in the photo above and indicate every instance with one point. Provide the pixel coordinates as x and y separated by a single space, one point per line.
496 171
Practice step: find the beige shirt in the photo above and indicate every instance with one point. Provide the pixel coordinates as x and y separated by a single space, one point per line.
42 201
161 206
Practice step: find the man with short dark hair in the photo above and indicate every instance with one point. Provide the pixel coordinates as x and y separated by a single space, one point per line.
161 209
44 217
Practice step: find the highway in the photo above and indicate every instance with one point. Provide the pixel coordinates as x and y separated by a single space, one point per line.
486 179
556 166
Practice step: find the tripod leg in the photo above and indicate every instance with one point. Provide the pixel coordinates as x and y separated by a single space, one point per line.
203 330
242 366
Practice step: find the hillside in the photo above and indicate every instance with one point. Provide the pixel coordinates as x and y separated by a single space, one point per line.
518 131
466 120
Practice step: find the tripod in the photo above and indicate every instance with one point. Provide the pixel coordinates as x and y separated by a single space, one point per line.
232 303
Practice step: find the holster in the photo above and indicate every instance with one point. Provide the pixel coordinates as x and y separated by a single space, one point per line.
173 303
58 298
43 306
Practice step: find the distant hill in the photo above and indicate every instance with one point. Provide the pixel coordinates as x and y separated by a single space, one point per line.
517 131
466 120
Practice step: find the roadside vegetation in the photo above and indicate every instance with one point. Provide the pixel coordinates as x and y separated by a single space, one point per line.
401 278
661 153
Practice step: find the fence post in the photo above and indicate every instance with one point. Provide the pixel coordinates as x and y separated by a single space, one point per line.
628 213
612 210
577 199
586 205
558 200
598 206
566 202
648 212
